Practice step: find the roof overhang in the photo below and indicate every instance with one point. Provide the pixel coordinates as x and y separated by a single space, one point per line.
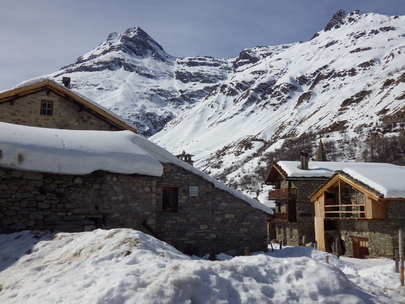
274 172
341 176
51 86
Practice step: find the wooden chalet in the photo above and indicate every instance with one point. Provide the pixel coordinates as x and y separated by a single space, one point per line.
360 209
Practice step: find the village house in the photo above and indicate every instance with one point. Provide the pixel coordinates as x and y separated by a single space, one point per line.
67 177
293 182
47 104
360 209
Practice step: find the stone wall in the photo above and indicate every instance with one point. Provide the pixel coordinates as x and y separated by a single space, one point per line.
292 233
41 201
212 221
66 114
382 234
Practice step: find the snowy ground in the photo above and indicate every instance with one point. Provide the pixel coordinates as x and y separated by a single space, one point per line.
127 266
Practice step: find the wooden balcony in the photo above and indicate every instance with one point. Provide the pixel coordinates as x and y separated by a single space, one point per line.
284 217
281 217
283 193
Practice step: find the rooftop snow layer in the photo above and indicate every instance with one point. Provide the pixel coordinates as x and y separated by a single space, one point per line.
82 152
315 169
73 151
384 178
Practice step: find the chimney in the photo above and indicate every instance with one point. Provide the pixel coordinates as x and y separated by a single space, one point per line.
66 81
186 157
304 160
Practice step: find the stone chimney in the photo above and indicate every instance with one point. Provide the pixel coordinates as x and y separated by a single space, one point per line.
304 160
186 157
66 81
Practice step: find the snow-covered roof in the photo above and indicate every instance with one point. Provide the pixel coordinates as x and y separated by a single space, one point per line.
73 151
82 152
387 179
315 169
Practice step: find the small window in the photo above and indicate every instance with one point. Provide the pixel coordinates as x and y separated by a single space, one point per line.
169 199
46 107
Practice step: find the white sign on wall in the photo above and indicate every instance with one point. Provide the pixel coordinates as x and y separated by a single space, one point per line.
193 190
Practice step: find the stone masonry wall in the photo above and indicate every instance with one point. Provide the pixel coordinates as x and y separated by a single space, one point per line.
292 233
213 221
41 201
382 235
66 114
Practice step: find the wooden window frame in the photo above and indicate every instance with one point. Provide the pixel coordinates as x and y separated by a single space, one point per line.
345 207
46 107
170 199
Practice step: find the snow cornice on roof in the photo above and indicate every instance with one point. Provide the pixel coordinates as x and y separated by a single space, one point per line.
83 152
40 84
77 152
382 179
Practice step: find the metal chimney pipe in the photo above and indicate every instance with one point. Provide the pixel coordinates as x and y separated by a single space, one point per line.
304 160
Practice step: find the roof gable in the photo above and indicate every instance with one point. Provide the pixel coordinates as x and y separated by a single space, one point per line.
339 177
70 96
378 180
274 172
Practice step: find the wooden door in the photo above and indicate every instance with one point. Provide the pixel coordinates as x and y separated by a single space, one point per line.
360 247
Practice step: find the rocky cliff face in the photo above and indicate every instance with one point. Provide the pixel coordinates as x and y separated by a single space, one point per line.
348 81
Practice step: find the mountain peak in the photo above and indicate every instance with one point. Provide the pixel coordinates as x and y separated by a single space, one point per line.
134 42
136 32
336 21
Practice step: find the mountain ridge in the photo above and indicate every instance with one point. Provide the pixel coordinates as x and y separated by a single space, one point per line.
346 82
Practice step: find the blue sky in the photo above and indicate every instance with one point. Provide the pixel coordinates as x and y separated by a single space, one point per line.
39 37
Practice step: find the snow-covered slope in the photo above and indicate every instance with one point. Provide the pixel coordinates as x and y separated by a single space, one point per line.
133 76
127 266
347 82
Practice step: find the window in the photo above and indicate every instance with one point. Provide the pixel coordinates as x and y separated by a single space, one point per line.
169 199
46 107
344 202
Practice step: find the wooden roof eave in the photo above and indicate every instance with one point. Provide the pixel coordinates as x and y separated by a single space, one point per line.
63 92
275 170
335 179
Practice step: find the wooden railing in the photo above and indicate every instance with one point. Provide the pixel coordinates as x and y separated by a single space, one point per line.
283 193
280 216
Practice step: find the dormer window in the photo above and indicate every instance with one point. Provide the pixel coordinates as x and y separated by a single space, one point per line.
46 107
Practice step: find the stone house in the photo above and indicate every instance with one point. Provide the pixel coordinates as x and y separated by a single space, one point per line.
360 210
294 181
81 179
44 103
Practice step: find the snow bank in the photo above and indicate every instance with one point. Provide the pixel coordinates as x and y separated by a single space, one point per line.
73 151
127 266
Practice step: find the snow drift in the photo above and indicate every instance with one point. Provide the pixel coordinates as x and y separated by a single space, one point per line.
127 266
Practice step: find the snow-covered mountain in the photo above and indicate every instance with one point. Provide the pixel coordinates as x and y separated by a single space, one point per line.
344 84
